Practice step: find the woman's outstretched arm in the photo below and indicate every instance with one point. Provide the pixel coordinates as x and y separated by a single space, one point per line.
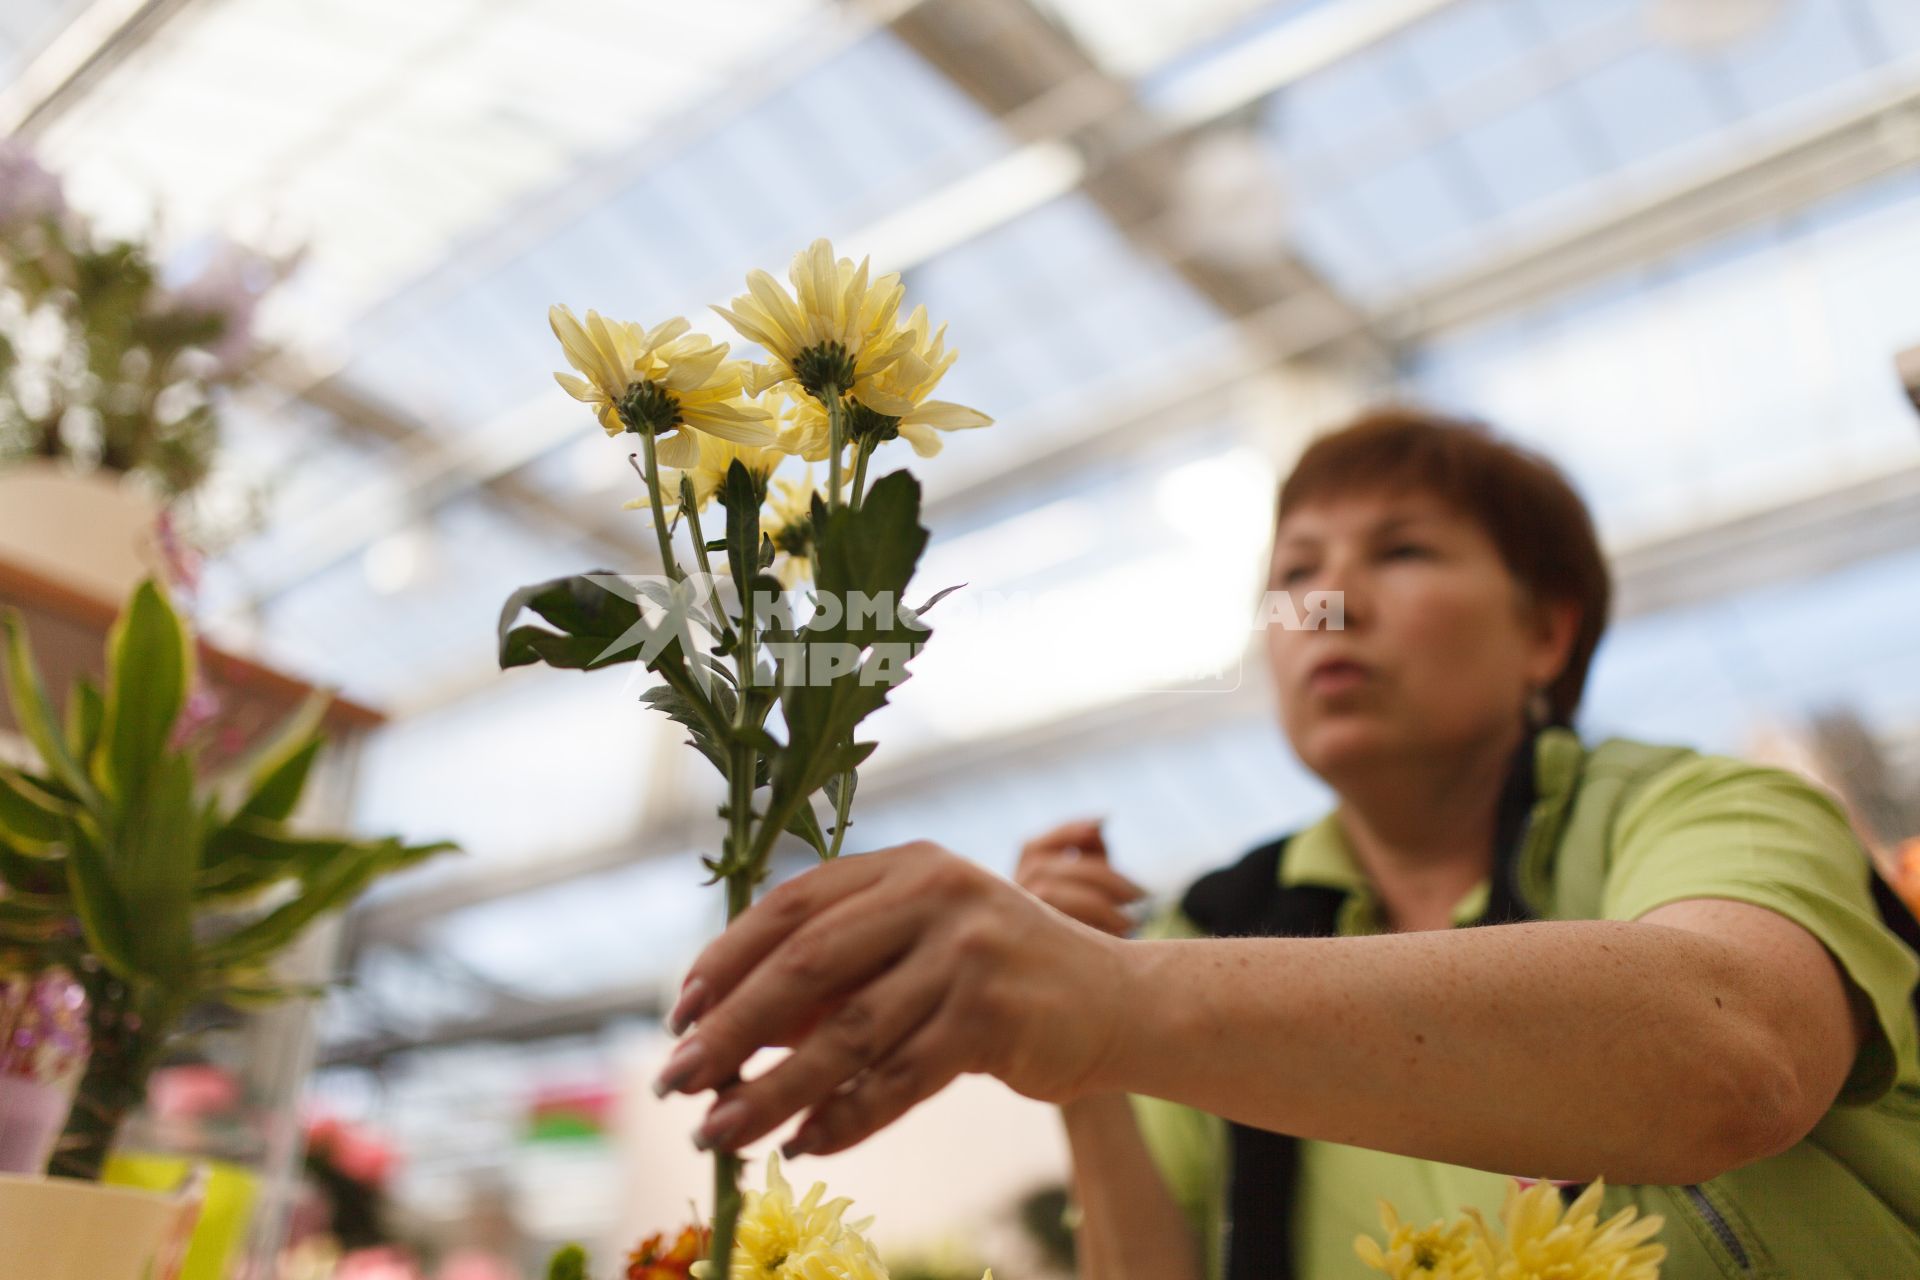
1666 1050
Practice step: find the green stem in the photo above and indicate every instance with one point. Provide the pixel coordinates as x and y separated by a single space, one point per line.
692 513
842 802
860 472
652 477
743 870
836 441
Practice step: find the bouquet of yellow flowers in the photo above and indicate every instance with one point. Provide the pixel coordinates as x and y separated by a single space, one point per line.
1540 1242
777 1238
770 680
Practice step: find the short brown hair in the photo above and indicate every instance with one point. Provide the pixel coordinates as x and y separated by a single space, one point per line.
1541 527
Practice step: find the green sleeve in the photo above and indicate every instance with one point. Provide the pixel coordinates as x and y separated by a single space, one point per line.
1714 827
1187 1146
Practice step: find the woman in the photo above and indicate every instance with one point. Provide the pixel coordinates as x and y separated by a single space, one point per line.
1691 992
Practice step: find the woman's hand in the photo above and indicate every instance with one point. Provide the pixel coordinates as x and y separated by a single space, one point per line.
1067 869
890 974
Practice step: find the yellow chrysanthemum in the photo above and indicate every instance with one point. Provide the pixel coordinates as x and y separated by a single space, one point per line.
804 428
838 328
788 520
1543 1243
1437 1251
915 381
717 457
775 1232
670 377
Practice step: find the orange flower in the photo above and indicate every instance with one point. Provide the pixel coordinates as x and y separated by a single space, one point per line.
657 1260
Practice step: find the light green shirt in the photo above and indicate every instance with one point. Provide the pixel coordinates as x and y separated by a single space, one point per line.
1704 827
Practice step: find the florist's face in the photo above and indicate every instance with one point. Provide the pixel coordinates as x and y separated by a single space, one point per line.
1438 650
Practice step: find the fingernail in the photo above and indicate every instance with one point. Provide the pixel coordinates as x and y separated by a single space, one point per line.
721 1125
800 1144
691 1004
684 1062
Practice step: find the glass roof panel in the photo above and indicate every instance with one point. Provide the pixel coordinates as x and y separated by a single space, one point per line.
1746 371
1501 119
1133 38
446 109
27 27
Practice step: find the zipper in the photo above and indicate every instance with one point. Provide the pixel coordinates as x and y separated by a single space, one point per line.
1723 1230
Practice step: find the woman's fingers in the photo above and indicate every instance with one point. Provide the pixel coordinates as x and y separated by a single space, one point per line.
1088 890
862 1030
1088 906
761 927
1082 835
775 1002
919 1068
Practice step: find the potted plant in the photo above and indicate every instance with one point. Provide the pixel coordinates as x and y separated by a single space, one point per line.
110 378
156 887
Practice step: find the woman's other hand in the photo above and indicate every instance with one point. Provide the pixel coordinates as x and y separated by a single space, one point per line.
1067 869
890 974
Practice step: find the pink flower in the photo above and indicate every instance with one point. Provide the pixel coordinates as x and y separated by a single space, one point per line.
377 1264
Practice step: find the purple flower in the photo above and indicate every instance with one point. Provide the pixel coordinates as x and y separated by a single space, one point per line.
229 285
28 193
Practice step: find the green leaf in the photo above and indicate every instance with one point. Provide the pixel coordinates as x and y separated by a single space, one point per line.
683 710
806 825
85 713
742 502
33 713
589 618
156 862
34 876
872 550
27 813
97 900
329 888
280 788
249 855
149 667
568 1264
290 737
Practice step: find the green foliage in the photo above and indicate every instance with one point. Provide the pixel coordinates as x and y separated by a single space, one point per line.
102 361
867 552
121 861
568 1264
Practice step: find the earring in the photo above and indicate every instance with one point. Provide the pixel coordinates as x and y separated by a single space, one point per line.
1539 709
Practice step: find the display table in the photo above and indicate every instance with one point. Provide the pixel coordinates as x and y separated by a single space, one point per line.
254 1134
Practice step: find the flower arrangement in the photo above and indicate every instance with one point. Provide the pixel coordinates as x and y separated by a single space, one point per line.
43 1049
104 362
777 1238
793 615
155 887
1541 1241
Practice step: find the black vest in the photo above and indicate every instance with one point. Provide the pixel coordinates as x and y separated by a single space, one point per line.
1247 900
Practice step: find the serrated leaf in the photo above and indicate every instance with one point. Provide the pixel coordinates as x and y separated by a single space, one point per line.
806 825
589 618
742 502
873 550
